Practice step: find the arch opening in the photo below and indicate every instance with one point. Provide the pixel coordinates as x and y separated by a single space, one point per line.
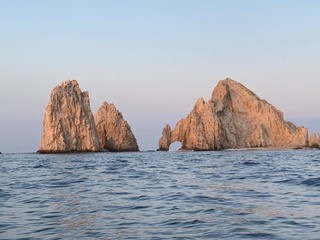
175 146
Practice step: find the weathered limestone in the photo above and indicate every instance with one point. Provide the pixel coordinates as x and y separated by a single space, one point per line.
114 133
68 124
234 118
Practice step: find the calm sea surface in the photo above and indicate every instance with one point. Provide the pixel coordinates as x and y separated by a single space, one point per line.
161 195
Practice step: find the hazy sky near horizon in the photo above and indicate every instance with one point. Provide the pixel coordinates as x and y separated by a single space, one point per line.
154 59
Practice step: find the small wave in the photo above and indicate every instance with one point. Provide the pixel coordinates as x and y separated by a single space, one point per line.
312 182
203 199
4 194
293 223
139 198
182 223
138 207
250 163
52 216
210 210
65 184
259 235
289 180
173 197
46 229
39 166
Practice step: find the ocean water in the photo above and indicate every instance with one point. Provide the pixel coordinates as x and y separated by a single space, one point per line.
161 195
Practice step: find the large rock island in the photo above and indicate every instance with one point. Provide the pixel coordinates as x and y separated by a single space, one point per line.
234 117
69 125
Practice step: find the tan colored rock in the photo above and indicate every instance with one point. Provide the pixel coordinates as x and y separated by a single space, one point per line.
68 124
314 140
166 139
234 117
114 133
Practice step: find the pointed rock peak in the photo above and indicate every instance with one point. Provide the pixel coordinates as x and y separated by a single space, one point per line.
166 128
199 104
69 82
114 133
228 86
228 82
110 108
106 104
165 140
109 105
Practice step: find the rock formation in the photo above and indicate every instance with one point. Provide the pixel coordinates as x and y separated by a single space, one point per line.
114 133
234 117
68 124
314 140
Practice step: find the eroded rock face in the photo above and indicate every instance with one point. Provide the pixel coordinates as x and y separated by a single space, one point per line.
68 124
114 133
234 117
314 140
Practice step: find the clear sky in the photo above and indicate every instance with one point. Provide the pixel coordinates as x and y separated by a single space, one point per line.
154 59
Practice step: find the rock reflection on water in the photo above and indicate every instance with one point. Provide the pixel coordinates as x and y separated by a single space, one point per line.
78 214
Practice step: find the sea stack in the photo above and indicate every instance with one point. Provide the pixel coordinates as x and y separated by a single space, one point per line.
114 133
234 117
68 123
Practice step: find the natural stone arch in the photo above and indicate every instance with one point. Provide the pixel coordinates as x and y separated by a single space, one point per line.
175 146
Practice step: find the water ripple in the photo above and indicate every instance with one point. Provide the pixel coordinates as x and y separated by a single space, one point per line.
161 195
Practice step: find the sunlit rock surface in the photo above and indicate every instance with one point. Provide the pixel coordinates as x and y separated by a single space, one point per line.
114 133
234 117
68 124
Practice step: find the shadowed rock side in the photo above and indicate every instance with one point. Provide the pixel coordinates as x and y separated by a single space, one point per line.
234 117
314 140
68 124
114 133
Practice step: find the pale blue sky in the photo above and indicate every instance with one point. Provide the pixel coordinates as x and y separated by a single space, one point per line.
153 59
